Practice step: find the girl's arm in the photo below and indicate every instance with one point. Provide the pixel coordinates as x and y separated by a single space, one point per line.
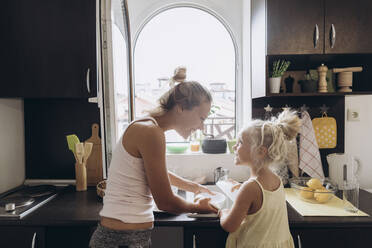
231 219
187 185
150 143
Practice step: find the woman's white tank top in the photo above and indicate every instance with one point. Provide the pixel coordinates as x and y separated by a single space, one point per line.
127 196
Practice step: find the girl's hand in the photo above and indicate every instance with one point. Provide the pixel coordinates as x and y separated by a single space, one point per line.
203 206
236 187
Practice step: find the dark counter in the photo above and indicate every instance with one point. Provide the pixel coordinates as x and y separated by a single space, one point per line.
71 208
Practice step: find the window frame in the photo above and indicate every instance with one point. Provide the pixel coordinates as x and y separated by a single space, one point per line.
239 117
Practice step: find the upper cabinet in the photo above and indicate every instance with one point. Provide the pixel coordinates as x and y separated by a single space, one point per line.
295 27
318 27
348 26
51 49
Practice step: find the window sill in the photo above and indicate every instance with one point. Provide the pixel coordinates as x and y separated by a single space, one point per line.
199 154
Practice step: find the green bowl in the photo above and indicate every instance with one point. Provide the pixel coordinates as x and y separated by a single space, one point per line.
177 148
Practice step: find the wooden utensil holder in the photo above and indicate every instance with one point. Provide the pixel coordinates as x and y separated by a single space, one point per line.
81 176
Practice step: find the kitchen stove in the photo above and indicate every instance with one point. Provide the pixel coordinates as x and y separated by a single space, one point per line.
19 203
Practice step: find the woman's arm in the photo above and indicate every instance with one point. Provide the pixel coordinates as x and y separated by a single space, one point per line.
150 142
231 219
187 185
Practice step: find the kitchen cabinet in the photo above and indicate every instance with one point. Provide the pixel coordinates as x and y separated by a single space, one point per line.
51 49
318 27
352 22
332 237
68 236
22 237
198 237
295 27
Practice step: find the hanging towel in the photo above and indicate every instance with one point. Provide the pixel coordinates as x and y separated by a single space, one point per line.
310 161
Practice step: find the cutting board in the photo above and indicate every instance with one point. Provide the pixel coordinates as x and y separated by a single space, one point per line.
94 162
334 207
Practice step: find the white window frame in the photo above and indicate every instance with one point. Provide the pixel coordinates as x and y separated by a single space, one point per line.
239 98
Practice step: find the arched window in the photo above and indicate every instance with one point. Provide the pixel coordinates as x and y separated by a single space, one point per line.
196 39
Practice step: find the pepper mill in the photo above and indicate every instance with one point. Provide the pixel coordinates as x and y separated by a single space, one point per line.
322 72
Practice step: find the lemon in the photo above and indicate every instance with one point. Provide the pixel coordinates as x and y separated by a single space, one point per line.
322 195
306 193
314 183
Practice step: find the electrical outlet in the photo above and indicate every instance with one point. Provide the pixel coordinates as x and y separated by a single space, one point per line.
353 115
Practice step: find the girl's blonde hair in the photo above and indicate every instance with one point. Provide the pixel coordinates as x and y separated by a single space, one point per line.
272 134
187 94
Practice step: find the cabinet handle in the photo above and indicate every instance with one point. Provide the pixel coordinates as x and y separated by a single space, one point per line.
316 35
33 240
193 241
88 84
299 241
333 35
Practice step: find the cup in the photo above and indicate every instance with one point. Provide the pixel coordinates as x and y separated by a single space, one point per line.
350 196
230 144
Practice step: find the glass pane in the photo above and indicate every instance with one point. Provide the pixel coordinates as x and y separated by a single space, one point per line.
198 40
120 68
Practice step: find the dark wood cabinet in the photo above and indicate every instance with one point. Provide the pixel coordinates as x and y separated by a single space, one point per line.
205 237
51 49
68 236
22 237
352 26
318 27
332 237
295 27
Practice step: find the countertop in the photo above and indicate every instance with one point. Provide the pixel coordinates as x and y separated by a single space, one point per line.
71 208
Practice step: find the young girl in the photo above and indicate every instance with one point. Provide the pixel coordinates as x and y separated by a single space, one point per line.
138 173
258 217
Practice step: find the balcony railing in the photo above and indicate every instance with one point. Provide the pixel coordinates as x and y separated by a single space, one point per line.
220 127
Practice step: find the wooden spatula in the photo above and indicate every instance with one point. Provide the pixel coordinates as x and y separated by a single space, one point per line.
79 150
87 150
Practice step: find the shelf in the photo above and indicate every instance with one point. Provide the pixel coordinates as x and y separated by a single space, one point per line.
318 94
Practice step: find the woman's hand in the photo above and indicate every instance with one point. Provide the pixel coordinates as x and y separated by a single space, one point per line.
203 206
202 189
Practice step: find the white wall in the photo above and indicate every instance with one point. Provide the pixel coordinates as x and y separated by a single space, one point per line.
358 136
12 144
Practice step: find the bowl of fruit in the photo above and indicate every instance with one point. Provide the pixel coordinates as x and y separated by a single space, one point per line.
313 190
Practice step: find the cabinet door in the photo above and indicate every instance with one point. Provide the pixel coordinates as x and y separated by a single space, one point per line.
204 237
22 237
68 236
352 22
292 27
332 237
54 46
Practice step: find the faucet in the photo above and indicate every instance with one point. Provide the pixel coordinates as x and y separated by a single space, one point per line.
220 173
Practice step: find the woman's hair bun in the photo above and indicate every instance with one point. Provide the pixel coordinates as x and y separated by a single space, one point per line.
179 75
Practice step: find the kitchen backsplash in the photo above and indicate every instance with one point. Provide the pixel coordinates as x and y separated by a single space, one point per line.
12 144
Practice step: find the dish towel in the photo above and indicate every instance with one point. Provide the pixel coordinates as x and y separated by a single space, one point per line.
310 161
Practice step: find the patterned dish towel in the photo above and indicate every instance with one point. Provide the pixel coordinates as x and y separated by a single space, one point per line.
310 161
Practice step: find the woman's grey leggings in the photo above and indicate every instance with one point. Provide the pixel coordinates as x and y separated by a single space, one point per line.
104 237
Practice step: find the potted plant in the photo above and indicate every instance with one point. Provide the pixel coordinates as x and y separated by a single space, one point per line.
279 67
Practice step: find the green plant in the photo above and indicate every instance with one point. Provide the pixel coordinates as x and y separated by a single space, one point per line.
279 67
214 109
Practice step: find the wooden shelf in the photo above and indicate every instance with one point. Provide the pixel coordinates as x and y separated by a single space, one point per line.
318 94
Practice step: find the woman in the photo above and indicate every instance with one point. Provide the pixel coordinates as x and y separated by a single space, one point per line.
138 172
